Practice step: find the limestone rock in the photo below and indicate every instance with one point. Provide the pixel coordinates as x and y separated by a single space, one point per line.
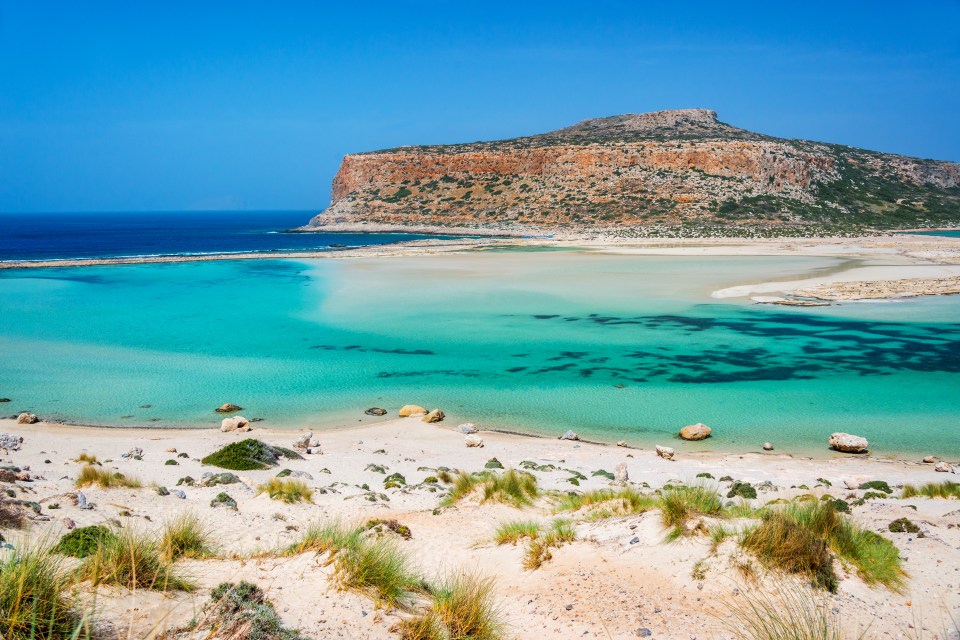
665 452
10 442
621 443
68 523
697 431
434 416
467 428
847 443
228 408
570 435
944 467
408 410
473 440
27 418
767 446
306 441
620 474
929 460
234 423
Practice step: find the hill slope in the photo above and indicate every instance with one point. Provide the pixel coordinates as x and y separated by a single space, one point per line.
661 171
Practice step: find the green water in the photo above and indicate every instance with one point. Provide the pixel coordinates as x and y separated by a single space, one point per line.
615 347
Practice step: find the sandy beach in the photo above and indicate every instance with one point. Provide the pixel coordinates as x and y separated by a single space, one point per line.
619 579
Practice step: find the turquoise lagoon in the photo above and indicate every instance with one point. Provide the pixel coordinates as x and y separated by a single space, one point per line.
613 346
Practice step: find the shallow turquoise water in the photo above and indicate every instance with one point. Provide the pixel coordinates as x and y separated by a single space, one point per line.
616 347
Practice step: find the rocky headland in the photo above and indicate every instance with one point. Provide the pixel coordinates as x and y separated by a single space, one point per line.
669 173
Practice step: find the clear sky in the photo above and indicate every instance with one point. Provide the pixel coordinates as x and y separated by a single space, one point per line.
240 105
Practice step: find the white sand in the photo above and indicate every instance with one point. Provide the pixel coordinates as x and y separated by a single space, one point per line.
614 587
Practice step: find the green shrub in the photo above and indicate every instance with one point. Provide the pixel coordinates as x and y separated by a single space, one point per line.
83 541
879 485
239 611
249 455
742 490
903 525
493 463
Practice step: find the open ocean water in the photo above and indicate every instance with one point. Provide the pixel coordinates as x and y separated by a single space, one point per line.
613 346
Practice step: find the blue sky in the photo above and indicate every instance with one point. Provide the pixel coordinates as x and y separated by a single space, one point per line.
240 105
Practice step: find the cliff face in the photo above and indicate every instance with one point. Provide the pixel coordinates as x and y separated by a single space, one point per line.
665 168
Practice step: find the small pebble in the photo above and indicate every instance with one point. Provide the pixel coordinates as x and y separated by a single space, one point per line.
634 540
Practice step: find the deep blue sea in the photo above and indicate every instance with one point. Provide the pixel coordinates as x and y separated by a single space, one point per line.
47 236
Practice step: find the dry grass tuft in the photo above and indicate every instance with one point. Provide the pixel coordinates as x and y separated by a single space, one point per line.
91 475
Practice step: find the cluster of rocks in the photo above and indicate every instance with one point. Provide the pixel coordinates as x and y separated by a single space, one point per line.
307 443
10 442
413 410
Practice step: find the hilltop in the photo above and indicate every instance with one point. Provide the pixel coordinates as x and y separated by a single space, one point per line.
643 174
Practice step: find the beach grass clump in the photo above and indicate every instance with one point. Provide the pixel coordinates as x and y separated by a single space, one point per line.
518 488
516 530
83 541
463 608
91 475
34 601
680 504
945 489
379 568
607 502
134 561
799 539
289 491
87 458
187 536
249 455
464 605
791 612
538 550
240 611
326 537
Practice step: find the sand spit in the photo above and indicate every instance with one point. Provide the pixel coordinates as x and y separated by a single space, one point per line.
619 579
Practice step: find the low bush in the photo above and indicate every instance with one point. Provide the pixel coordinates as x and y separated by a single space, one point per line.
249 455
83 542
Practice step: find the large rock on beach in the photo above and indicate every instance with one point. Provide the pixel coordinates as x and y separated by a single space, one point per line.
944 467
408 410
27 418
620 474
697 431
473 440
467 428
570 435
234 423
228 408
665 452
847 443
434 416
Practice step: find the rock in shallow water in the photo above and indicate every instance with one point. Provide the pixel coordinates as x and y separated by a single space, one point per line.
767 446
697 431
847 443
27 418
228 408
570 435
467 428
376 411
434 416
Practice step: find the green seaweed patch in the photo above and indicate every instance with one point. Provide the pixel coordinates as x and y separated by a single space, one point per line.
249 455
84 541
